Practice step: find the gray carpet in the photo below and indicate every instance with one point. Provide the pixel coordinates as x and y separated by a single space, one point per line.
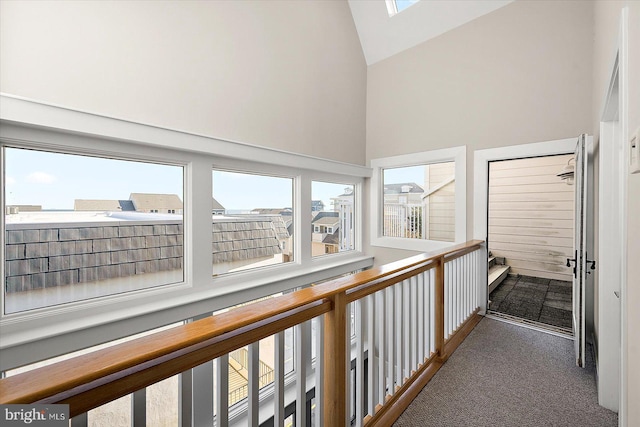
506 375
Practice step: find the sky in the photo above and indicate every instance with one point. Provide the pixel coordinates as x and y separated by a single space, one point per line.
405 174
54 181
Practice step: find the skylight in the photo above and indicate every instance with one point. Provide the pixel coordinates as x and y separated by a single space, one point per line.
396 6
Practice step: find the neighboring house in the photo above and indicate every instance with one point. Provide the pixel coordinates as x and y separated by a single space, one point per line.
217 208
317 206
324 225
272 211
14 209
403 193
156 203
103 205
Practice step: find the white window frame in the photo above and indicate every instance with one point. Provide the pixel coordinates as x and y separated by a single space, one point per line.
454 154
38 334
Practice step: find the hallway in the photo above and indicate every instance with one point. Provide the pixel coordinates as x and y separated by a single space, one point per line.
506 375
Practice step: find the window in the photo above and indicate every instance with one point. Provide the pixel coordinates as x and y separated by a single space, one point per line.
257 227
419 200
96 155
396 6
333 226
79 227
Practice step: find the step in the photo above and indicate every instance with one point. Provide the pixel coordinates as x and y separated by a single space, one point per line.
497 274
491 262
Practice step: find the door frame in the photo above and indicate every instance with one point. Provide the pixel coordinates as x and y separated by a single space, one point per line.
482 158
611 343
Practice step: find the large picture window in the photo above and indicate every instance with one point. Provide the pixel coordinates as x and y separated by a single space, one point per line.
333 216
419 200
79 227
252 221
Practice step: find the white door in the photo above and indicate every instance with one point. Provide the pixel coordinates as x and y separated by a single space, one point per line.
580 248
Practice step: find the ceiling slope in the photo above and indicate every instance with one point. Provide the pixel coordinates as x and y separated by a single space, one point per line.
382 36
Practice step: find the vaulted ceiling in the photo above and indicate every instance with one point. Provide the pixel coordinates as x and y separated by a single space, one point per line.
382 36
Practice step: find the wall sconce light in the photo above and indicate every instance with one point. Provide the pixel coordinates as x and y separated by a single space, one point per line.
568 173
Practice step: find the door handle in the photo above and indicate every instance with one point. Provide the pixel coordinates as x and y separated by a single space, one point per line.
592 262
617 294
575 264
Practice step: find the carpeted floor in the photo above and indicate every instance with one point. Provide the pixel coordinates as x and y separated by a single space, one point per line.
506 375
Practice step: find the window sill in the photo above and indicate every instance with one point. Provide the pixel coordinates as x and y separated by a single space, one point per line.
52 333
410 244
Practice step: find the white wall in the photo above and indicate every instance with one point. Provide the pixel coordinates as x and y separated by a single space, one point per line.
520 74
282 74
607 18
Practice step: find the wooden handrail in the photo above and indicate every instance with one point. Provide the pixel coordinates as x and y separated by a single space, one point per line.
93 379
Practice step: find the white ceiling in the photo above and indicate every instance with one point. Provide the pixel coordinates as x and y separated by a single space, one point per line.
382 36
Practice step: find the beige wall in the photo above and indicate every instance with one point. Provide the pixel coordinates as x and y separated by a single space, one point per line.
287 75
518 75
607 18
531 216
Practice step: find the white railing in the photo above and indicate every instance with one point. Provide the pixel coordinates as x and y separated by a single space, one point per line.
460 290
408 317
404 220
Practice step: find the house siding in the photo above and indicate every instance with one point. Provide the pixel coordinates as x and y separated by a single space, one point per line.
531 216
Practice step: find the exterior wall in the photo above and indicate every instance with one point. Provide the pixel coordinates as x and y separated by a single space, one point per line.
517 75
531 216
44 255
607 22
280 74
442 203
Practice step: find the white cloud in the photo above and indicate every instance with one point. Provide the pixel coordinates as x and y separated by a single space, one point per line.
10 181
40 178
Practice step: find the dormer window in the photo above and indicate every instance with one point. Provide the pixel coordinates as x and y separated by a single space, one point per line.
396 6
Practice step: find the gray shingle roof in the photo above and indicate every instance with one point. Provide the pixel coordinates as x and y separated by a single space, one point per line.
326 220
397 188
247 237
331 239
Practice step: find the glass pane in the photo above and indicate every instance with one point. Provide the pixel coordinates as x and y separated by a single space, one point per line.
252 221
80 227
403 4
333 223
419 202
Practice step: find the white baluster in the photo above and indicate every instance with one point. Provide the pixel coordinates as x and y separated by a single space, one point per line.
222 391
391 329
406 328
399 334
413 337
319 371
360 338
278 410
254 383
381 344
420 322
302 356
371 364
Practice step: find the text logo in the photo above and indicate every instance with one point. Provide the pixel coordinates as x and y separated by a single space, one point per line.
35 415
